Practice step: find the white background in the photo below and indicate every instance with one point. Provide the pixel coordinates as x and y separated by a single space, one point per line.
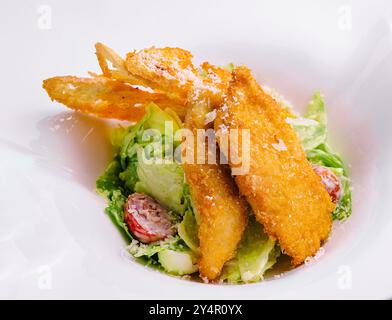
55 240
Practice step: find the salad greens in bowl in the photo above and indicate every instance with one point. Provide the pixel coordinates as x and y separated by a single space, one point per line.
166 184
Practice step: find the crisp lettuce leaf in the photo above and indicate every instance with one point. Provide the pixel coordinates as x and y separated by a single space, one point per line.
143 141
188 231
257 253
170 255
157 119
138 249
110 181
178 262
110 186
129 176
231 272
163 182
117 136
115 211
254 252
312 131
323 156
312 128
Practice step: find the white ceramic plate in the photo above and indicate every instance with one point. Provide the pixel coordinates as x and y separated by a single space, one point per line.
55 240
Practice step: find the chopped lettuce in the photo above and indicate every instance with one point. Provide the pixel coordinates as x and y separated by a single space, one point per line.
254 252
138 167
188 231
231 272
110 187
138 249
323 156
157 118
163 182
110 181
178 262
312 130
189 227
257 252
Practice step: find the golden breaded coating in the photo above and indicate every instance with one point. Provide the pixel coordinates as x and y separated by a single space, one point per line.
284 192
105 54
165 70
118 70
222 212
105 97
169 70
215 83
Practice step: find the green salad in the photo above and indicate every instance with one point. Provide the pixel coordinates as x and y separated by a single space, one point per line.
164 183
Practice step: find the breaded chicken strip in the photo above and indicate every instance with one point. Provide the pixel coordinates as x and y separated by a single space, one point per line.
104 97
284 192
222 212
171 70
165 70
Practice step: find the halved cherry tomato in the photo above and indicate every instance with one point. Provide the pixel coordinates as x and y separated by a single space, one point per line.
330 181
147 220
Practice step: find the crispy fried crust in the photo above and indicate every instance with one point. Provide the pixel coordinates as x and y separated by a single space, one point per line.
165 70
169 70
215 83
222 212
118 71
104 97
284 192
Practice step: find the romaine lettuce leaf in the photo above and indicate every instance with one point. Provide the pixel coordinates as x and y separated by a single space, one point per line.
231 272
323 156
256 253
171 255
110 181
312 128
178 262
157 118
110 187
189 227
163 182
188 231
312 131
138 249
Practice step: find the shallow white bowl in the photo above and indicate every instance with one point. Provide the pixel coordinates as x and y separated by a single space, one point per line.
55 240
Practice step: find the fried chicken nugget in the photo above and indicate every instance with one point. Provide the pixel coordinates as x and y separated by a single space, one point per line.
284 192
104 97
222 212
